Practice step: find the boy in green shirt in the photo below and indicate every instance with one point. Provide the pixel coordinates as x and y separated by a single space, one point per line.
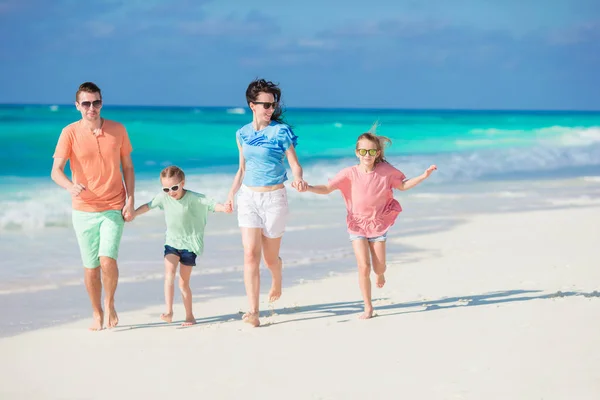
186 213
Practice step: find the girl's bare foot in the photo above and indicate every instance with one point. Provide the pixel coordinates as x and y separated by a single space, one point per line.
367 314
167 317
189 321
275 292
380 280
98 321
251 318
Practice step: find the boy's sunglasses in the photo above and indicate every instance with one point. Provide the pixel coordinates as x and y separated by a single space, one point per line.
363 152
267 105
173 188
88 104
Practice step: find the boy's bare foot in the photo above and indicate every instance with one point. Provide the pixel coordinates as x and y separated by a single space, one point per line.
380 280
189 321
251 318
98 321
167 317
367 314
275 292
113 318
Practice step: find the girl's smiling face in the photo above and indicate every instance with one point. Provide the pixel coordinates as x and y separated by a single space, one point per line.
173 186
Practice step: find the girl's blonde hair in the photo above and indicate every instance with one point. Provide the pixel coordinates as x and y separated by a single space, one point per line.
381 142
172 171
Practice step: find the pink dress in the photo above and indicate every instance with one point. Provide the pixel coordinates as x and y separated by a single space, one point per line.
369 198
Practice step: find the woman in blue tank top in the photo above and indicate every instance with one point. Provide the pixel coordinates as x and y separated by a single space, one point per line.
262 201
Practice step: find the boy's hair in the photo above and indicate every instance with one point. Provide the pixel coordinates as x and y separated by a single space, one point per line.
88 87
381 142
172 171
260 85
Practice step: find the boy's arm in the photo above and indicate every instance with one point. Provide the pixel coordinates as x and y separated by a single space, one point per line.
412 182
320 189
141 210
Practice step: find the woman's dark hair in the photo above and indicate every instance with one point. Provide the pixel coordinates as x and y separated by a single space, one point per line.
260 85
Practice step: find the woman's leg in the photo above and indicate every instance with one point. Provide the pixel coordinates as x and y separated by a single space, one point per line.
251 240
270 249
362 253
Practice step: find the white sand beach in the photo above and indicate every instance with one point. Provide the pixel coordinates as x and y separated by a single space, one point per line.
500 306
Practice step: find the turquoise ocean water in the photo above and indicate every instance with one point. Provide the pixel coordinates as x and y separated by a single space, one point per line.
466 145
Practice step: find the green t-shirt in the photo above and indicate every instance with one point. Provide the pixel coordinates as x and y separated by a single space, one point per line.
185 218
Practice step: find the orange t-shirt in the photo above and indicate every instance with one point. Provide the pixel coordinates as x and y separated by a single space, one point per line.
96 164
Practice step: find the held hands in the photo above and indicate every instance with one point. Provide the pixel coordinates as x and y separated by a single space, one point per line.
229 204
128 211
300 185
429 170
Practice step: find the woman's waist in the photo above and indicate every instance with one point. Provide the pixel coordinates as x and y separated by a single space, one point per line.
262 189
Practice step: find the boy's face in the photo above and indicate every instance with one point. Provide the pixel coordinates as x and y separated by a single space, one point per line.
173 186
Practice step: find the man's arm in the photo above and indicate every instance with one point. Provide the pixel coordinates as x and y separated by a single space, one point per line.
129 178
60 178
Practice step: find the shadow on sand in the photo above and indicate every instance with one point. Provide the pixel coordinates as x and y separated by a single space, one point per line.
328 310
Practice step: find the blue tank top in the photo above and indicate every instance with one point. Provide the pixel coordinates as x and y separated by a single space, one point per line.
264 153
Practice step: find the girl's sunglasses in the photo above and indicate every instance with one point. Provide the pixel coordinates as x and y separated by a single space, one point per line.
88 104
267 105
363 152
172 188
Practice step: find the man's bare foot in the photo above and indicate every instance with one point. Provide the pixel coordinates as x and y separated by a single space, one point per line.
189 321
167 317
367 314
98 321
275 292
380 280
113 318
251 318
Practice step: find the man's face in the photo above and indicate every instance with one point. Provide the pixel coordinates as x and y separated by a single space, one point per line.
89 105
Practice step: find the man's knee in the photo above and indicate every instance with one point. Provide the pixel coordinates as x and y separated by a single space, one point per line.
108 264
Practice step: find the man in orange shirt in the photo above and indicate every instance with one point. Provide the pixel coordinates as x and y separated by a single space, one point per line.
97 149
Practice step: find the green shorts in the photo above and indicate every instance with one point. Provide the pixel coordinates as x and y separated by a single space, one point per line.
98 234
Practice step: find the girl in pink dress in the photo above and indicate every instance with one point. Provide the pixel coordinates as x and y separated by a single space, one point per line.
367 189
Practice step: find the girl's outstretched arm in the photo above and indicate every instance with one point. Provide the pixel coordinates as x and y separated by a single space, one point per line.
223 208
320 189
412 182
142 210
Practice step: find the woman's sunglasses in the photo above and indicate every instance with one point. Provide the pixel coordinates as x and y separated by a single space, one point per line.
363 152
88 104
172 188
267 105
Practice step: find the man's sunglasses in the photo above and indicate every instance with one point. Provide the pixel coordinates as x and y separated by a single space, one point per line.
267 105
88 104
172 188
363 152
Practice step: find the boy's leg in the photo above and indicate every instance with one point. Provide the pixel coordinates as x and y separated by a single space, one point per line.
362 253
111 231
379 264
171 261
185 273
87 231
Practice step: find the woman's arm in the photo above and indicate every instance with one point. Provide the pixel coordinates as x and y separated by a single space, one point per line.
239 177
296 168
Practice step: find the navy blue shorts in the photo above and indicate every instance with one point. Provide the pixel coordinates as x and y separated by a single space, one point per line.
185 257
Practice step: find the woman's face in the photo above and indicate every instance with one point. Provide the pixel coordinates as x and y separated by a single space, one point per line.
259 107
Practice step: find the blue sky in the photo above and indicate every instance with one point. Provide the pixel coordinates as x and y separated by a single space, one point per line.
508 54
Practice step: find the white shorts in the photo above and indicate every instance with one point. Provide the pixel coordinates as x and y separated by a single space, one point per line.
265 210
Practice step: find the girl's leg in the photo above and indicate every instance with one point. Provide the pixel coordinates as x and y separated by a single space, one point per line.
251 240
171 261
362 253
273 262
185 273
379 265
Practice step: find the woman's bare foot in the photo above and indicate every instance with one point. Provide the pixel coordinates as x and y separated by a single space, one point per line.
380 280
367 314
275 292
251 318
167 317
189 321
98 321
